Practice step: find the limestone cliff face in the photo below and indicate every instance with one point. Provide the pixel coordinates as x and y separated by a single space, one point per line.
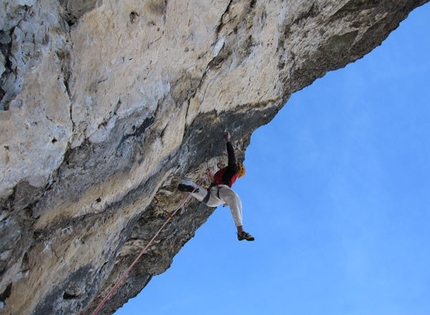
106 104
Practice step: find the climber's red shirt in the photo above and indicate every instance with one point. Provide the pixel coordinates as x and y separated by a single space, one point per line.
228 175
228 180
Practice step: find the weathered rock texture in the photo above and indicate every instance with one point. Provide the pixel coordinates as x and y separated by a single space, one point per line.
105 104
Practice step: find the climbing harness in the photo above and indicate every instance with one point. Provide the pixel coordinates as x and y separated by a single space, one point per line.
213 184
102 303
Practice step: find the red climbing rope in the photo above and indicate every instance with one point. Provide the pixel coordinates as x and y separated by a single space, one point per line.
141 254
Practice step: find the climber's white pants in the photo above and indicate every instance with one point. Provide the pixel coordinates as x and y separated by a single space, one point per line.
220 195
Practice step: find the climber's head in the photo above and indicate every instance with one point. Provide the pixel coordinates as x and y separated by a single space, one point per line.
241 170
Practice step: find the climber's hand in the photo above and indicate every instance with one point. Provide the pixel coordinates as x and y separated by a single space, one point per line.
227 137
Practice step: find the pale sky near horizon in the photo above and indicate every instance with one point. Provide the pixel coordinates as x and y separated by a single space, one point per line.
337 195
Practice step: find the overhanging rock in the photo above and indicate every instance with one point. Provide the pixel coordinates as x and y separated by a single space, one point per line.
106 104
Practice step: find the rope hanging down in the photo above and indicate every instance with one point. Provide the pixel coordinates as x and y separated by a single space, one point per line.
102 303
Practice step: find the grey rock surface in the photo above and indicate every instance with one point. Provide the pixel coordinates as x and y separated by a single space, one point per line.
105 105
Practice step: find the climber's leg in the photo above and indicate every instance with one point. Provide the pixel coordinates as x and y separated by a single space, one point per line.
196 191
234 202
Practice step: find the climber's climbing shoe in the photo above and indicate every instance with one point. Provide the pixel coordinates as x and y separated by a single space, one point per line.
187 188
245 236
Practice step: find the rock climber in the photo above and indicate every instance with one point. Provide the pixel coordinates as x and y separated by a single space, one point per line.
220 192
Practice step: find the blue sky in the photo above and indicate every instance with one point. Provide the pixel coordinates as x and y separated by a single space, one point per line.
337 195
